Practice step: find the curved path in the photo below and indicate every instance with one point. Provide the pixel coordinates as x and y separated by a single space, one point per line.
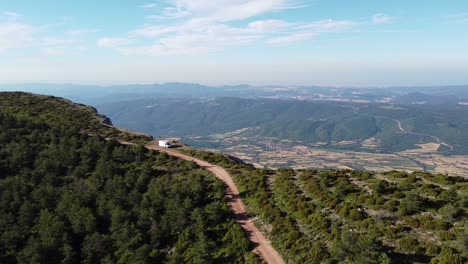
420 134
402 130
262 244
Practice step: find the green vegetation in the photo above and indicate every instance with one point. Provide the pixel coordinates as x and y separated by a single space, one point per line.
356 217
309 122
69 193
67 197
59 112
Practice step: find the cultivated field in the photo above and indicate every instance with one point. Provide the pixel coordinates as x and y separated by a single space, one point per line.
273 153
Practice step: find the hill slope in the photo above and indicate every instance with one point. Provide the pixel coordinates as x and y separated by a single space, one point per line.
343 216
59 112
69 197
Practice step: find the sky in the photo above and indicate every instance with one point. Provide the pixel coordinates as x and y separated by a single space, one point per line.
257 42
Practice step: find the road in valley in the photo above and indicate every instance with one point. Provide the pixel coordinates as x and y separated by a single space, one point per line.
419 134
402 130
262 244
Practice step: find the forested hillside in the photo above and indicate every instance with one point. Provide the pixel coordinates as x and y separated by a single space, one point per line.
57 111
356 217
67 197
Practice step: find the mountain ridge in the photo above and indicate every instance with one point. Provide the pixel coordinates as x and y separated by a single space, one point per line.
58 111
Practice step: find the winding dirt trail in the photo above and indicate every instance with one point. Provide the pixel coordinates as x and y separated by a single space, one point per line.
262 244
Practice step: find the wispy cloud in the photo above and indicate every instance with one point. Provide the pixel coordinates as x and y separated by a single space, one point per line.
295 37
64 50
200 26
380 18
268 25
113 42
150 5
63 44
458 17
10 16
15 35
81 32
55 41
328 25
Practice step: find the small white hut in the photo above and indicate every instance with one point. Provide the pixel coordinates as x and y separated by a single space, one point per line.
164 143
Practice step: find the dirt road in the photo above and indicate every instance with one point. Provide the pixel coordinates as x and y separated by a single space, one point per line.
426 135
262 245
402 130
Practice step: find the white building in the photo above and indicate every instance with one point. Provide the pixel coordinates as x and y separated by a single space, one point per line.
164 143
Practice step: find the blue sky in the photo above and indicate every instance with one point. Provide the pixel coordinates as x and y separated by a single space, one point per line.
285 42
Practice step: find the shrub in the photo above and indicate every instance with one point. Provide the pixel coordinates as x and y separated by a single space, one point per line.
432 250
392 205
355 215
410 205
446 236
449 212
409 245
448 256
412 221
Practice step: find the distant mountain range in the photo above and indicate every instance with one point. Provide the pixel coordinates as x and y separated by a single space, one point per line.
91 94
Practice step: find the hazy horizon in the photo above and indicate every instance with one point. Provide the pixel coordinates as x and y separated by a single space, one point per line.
214 85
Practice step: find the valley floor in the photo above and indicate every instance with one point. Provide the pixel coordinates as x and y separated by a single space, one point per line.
281 154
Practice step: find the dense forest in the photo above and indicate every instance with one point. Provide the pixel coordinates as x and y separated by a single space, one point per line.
59 112
66 197
356 217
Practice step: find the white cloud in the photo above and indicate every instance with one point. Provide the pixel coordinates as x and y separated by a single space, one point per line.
15 35
64 44
150 5
63 50
81 32
328 25
54 51
56 41
151 31
153 17
222 10
200 26
113 42
456 18
380 18
268 25
10 16
285 40
459 17
191 44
